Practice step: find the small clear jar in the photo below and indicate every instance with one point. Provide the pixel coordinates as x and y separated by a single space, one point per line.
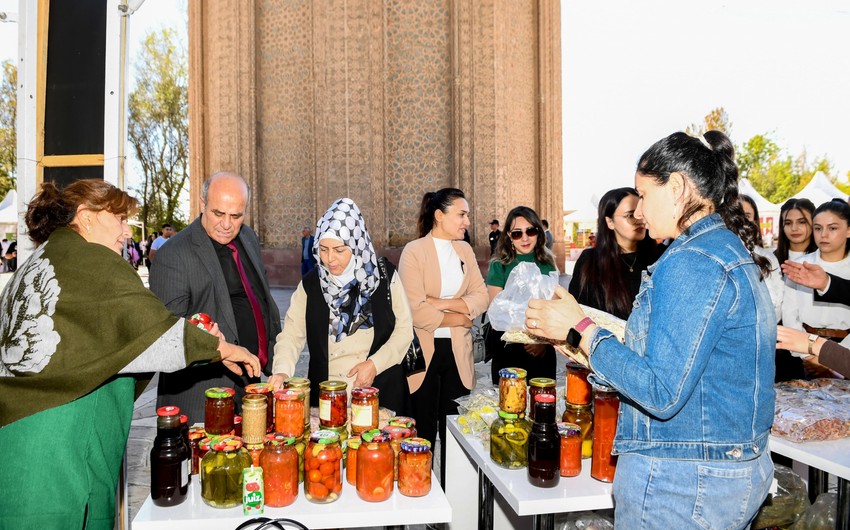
512 390
218 411
279 461
537 386
364 409
404 421
289 405
221 472
396 435
323 467
582 416
302 384
254 413
509 440
375 459
578 391
352 444
414 467
333 404
266 390
570 463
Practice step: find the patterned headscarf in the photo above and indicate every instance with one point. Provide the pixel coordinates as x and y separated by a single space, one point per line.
350 304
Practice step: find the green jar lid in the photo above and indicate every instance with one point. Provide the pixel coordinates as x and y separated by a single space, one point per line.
225 443
276 438
512 373
373 435
353 442
333 386
324 437
258 388
508 415
219 392
541 382
402 421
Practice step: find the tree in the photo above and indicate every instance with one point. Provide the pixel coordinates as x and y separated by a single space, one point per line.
159 127
716 120
8 135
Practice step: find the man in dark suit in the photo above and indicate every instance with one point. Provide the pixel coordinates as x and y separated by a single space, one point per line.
308 260
214 266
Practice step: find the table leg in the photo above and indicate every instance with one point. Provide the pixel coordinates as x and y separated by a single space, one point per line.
818 483
544 521
843 521
485 502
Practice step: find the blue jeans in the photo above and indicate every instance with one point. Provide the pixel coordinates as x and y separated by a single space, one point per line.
652 493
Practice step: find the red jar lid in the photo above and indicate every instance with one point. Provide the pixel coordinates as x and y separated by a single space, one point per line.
395 432
364 392
168 411
544 398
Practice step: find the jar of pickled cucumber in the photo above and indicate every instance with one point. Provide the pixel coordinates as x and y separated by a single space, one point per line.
582 416
509 440
536 386
512 390
322 467
221 472
333 404
302 384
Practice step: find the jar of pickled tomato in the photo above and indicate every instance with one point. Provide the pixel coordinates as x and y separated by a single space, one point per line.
364 409
333 404
512 390
536 386
323 467
374 467
267 391
221 472
289 412
414 467
279 461
218 411
396 435
302 384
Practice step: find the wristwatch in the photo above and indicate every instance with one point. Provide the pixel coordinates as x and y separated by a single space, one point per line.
812 339
574 335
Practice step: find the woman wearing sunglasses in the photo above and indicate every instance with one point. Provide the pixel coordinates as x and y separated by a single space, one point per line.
522 241
607 276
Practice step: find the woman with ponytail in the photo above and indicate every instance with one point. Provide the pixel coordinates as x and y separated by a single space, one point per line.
696 372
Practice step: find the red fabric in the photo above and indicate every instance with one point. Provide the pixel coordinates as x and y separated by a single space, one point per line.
262 339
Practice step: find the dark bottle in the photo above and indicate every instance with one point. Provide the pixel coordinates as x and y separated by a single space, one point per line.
169 457
544 444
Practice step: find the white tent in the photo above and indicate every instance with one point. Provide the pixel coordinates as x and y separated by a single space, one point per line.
9 213
820 190
768 212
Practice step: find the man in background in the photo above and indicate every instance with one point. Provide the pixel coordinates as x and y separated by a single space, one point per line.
494 235
308 260
167 232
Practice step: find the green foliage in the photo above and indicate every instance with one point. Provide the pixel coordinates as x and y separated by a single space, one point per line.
8 135
159 128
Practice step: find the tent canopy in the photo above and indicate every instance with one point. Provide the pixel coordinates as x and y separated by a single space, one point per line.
9 209
746 188
820 190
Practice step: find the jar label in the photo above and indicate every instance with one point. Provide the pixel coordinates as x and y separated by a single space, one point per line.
361 415
325 409
186 470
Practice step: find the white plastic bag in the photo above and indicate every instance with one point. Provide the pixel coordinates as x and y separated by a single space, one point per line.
507 310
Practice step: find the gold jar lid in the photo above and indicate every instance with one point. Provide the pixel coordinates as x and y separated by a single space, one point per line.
333 386
542 382
297 382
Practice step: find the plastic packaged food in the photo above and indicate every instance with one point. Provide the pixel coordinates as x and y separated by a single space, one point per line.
509 440
536 386
512 390
170 461
570 464
323 467
221 472
289 412
266 390
582 416
544 444
606 404
396 435
364 409
302 384
414 467
254 407
352 444
279 461
578 388
218 411
374 467
812 410
333 404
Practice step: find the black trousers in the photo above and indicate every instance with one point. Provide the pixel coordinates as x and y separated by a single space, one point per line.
505 355
434 400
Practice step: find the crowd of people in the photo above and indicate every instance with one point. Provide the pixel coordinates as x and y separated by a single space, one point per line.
713 319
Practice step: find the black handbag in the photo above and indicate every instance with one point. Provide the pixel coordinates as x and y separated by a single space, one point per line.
414 360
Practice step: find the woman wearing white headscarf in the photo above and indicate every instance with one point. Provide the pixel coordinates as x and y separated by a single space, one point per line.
351 311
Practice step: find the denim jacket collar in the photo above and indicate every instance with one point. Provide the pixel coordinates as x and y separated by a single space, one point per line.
711 221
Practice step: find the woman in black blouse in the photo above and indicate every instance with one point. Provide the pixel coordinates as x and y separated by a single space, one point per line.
607 276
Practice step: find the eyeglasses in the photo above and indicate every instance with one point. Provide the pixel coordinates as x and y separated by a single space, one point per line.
631 219
531 231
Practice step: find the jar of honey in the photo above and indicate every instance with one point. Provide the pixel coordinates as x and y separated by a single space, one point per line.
364 409
289 412
218 411
374 467
414 467
322 467
279 461
333 404
512 390
582 416
536 386
266 390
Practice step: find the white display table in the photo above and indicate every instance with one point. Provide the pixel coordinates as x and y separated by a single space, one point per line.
349 511
468 464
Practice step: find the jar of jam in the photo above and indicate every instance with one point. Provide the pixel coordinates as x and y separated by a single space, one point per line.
578 387
582 416
570 465
302 384
374 467
254 413
323 467
289 412
364 409
352 444
512 392
170 460
279 461
333 404
203 449
536 386
237 426
196 434
404 421
266 390
509 440
606 405
255 450
396 435
221 472
414 467
218 411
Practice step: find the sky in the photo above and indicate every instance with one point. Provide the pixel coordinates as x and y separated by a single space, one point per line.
635 71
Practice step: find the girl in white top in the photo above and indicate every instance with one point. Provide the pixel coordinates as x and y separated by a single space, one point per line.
775 285
795 234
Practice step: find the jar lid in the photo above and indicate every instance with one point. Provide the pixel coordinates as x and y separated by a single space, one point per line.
254 447
258 388
541 382
572 365
544 398
258 399
324 436
578 408
290 394
197 432
184 419
353 442
512 373
277 438
364 392
168 411
416 445
237 420
508 415
395 432
297 382
204 444
568 429
225 443
333 385
402 421
603 388
374 435
219 392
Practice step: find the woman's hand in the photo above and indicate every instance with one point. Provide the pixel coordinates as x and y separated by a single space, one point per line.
276 381
553 318
438 303
806 274
232 356
363 373
535 350
795 340
216 332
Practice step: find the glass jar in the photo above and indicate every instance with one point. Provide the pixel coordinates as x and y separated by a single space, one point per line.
582 416
374 467
254 414
219 411
266 390
512 393
570 449
544 444
184 429
196 434
254 450
203 449
170 460
322 465
279 461
221 472
237 426
404 421
509 440
364 409
333 404
578 387
536 386
414 467
352 444
302 384
396 434
289 412
606 405
301 448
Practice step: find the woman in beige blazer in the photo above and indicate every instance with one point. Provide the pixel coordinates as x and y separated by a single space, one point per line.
446 292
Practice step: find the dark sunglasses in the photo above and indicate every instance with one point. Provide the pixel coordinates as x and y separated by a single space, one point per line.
531 231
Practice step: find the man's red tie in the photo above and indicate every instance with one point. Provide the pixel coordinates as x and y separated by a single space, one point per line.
262 339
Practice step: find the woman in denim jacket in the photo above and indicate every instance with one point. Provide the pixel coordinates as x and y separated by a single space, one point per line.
696 373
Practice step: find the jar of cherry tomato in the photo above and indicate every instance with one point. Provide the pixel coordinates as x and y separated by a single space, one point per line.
221 472
374 467
322 467
364 409
279 461
606 405
578 387
196 434
536 386
289 412
267 391
582 416
404 421
570 464
352 444
396 435
255 450
333 404
512 390
302 384
254 415
414 467
218 411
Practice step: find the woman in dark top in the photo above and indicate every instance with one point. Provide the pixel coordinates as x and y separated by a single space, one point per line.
607 276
